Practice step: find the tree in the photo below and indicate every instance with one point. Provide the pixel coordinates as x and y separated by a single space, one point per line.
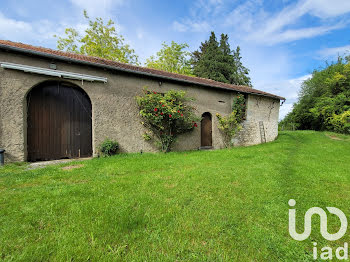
172 59
100 39
240 75
209 64
324 100
166 116
218 62
196 55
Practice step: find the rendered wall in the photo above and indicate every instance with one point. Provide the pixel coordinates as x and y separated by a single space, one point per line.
114 109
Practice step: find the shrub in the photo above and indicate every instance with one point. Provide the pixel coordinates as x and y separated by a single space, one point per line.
146 136
231 124
108 147
323 102
341 123
166 115
239 105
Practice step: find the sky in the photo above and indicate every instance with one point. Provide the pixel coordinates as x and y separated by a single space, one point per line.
282 41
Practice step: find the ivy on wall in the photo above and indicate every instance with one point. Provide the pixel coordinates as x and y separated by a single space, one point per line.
231 124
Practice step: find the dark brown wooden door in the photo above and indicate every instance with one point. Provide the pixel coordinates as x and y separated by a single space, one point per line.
206 130
59 122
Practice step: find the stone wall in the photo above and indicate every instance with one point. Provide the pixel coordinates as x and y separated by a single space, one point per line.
259 109
114 109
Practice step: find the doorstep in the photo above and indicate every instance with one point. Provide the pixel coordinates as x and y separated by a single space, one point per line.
205 148
42 164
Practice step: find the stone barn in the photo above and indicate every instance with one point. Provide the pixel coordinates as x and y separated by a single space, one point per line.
56 105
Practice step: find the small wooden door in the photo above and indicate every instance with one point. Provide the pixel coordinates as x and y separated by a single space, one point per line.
206 130
59 122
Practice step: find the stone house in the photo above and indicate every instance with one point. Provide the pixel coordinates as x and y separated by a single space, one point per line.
55 104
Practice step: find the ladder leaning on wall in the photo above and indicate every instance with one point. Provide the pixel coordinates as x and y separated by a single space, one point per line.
262 132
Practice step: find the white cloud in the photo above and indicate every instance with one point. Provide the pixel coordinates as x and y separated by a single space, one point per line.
293 34
249 21
200 15
254 24
270 69
244 16
287 16
203 8
191 26
285 109
259 30
266 64
95 8
39 32
287 88
139 33
320 8
290 88
179 27
327 8
81 27
332 52
12 29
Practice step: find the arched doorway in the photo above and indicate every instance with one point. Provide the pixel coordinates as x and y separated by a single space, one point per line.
206 130
59 122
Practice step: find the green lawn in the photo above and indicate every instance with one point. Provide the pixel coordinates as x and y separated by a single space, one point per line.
224 205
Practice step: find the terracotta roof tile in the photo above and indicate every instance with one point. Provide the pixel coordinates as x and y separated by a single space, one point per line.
4 44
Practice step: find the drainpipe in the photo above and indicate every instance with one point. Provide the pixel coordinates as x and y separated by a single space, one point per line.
2 151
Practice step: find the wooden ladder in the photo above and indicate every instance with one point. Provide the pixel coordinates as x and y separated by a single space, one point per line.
262 132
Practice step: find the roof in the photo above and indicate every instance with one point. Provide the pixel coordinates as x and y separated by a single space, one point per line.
100 62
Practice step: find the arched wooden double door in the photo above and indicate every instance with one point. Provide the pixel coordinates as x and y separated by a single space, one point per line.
59 122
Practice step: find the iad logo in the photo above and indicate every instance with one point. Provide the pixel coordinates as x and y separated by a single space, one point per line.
323 224
326 251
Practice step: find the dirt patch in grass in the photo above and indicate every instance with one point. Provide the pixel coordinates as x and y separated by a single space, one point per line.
235 183
72 167
169 186
27 185
334 137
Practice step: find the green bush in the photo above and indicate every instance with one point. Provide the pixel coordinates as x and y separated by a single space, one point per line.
166 115
239 106
231 124
108 147
324 100
341 123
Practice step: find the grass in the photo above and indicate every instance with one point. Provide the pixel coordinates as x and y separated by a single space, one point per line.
225 205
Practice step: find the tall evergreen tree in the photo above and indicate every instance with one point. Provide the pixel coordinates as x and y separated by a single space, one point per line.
241 74
227 62
208 65
216 61
196 55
